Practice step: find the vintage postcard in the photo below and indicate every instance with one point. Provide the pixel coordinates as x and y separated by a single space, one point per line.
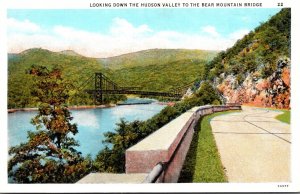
149 96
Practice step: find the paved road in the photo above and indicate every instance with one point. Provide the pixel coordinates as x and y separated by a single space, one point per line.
254 147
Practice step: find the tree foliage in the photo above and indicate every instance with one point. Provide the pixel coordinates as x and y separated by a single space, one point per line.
49 156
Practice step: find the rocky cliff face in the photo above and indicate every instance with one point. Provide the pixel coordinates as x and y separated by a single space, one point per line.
273 91
256 69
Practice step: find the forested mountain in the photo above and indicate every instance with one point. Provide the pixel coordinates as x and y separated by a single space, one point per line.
69 52
147 69
256 69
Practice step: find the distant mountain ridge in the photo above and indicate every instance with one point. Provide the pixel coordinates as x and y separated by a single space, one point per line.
64 52
139 58
70 53
153 56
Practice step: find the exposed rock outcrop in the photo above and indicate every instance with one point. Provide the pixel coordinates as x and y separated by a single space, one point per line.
273 91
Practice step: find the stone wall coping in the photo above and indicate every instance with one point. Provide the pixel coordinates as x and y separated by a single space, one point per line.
113 178
163 138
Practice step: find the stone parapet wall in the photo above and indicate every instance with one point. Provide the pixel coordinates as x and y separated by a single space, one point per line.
169 144
159 146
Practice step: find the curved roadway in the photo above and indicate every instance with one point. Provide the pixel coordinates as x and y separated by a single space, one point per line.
253 145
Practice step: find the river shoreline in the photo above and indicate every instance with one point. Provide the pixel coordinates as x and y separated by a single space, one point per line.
92 123
81 107
70 108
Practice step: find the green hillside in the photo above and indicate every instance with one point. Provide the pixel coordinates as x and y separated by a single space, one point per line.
157 73
155 56
161 77
257 52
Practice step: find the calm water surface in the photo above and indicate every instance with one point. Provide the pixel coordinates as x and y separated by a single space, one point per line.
92 124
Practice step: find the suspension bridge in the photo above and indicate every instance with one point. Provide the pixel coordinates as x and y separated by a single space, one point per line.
105 86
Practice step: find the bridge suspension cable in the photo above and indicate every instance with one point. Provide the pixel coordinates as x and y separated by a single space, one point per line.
105 86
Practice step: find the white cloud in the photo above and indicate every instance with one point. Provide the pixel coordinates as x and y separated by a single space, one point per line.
239 34
22 26
123 37
211 30
123 27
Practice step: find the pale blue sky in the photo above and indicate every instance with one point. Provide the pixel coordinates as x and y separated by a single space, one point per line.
168 25
181 20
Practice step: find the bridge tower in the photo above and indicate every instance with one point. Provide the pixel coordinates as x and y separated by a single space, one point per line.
102 85
98 95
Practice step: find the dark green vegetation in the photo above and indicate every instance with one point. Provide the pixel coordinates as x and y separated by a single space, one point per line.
162 77
202 163
49 156
285 116
258 52
129 133
159 70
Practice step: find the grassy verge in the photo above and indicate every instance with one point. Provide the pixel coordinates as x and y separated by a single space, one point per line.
285 117
203 163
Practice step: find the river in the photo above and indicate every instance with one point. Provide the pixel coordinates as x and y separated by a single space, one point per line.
92 123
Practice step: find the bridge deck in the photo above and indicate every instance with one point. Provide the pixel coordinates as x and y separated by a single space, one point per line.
121 91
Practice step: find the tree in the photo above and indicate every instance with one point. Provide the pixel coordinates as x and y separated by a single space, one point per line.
49 156
125 135
206 94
